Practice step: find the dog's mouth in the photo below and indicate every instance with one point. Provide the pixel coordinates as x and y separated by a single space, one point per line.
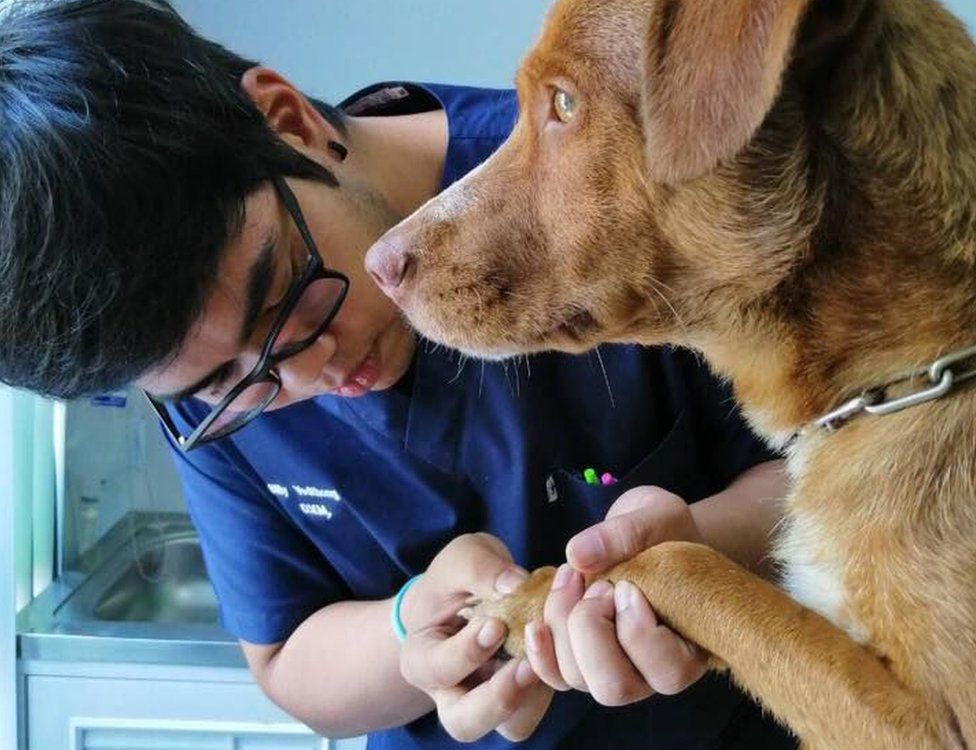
573 331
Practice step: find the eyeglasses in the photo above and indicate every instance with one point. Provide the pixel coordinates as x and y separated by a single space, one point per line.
311 304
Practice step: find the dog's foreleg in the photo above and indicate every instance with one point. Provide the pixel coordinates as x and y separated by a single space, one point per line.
833 693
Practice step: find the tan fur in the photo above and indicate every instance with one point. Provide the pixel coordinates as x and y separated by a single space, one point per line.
790 188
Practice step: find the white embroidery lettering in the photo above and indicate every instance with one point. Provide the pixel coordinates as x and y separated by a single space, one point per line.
310 491
315 509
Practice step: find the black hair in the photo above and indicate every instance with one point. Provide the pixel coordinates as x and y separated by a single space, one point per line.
127 148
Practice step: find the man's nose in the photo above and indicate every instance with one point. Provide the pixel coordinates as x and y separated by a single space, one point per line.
309 372
389 261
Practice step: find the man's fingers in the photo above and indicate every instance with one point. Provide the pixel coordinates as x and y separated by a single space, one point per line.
640 518
667 662
641 498
521 724
541 653
567 590
479 564
433 659
468 715
608 672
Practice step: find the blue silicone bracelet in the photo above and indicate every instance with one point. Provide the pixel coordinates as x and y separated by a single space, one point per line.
401 632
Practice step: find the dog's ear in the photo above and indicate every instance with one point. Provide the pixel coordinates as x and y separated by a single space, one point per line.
712 71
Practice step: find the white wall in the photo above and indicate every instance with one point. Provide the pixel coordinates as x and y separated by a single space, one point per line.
966 9
330 48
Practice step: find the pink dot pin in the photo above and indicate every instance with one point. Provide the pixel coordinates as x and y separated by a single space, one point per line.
608 479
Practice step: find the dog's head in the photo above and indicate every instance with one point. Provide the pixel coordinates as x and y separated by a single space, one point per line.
659 177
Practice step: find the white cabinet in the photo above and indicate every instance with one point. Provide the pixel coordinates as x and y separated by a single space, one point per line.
135 734
142 707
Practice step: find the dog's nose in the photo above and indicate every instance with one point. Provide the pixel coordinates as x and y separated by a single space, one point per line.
388 261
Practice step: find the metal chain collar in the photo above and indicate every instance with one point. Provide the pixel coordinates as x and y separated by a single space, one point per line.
942 378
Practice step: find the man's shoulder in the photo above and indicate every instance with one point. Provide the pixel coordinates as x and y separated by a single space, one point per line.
388 98
410 97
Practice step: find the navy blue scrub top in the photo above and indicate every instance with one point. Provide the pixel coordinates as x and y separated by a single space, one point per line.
334 499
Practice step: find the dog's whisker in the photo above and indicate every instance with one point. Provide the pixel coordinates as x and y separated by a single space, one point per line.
657 310
606 380
462 360
429 345
678 319
508 380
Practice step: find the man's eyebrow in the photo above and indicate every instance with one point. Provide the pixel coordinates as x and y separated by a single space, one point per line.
259 280
192 389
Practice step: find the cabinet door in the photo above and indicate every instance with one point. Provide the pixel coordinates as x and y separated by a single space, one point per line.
160 734
97 713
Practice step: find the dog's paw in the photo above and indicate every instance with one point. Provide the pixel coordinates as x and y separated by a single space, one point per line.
517 609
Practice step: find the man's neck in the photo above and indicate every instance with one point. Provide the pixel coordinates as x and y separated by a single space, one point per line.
403 155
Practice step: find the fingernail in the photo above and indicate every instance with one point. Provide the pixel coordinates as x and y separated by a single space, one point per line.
524 676
588 549
491 632
509 580
563 576
532 637
623 596
598 589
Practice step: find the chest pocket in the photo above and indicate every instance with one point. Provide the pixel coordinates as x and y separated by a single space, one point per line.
675 465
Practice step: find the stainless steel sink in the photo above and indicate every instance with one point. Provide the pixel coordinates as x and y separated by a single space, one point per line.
142 594
157 575
165 583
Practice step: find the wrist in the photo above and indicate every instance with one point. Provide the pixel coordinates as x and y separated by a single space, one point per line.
400 616
739 521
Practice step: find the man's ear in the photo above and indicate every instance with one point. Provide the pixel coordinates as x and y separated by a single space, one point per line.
288 112
712 71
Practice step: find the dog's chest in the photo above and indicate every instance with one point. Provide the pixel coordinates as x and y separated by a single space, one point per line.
813 574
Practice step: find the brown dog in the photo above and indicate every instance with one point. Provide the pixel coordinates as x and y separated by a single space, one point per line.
789 187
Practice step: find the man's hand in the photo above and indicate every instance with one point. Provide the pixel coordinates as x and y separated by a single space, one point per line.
453 661
606 639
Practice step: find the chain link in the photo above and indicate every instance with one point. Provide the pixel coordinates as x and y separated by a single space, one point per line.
941 376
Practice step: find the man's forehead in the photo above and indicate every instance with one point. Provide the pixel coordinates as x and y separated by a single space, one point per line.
211 341
214 336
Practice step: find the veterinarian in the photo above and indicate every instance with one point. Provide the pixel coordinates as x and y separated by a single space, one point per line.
175 216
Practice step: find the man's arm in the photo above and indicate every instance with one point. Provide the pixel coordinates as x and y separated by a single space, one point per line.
343 672
339 672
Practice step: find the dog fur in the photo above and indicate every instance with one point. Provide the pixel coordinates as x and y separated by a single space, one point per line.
788 187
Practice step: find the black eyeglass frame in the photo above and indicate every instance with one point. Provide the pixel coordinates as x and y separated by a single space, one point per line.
263 371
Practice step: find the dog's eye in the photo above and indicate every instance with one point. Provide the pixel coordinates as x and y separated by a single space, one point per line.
564 105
